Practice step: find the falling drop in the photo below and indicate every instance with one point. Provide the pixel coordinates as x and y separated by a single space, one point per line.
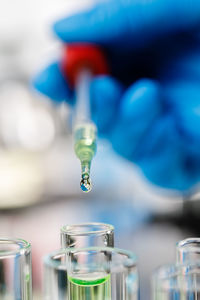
85 183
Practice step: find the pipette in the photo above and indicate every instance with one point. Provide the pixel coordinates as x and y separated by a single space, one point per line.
80 64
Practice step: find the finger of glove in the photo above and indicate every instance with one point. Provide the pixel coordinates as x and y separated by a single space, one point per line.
129 23
167 163
94 25
181 83
169 171
105 93
140 106
184 96
159 157
52 83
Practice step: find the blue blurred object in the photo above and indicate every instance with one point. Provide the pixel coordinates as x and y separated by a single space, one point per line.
51 82
128 23
123 215
150 107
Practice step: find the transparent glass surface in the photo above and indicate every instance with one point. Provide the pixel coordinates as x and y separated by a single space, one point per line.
87 235
188 250
15 269
91 274
177 282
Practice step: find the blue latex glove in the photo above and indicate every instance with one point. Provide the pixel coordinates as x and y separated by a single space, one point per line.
150 107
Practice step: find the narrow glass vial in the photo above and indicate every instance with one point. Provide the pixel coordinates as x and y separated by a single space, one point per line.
87 235
15 269
177 282
188 251
92 273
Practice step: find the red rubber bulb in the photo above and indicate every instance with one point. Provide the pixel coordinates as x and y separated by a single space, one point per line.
80 56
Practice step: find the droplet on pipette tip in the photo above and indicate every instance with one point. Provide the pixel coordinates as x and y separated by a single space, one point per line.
85 183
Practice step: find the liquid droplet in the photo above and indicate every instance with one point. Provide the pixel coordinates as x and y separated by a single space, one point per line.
85 183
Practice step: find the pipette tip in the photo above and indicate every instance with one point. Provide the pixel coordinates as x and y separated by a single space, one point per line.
85 183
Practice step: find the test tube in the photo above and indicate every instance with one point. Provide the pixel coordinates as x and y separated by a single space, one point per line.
177 282
15 269
188 250
87 235
92 273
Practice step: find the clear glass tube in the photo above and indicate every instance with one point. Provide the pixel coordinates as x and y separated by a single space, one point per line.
177 282
87 235
188 251
15 269
91 274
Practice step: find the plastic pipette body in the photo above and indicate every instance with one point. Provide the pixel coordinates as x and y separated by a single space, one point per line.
84 129
80 63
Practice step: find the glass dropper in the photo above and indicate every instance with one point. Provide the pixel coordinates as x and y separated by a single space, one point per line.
79 64
84 129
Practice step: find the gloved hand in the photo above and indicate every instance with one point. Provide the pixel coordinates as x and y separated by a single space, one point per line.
150 107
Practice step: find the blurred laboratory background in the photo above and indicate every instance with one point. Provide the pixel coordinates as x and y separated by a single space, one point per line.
39 173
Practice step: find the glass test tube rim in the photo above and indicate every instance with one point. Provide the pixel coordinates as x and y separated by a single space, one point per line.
50 259
69 229
165 273
185 244
23 247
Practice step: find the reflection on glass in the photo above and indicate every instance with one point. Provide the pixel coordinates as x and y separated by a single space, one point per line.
87 235
177 282
92 273
15 269
188 250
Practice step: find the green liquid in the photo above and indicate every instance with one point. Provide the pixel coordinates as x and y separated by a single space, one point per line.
85 142
84 287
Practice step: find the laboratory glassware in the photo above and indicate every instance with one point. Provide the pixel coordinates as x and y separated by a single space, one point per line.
15 269
92 273
80 62
177 282
188 250
87 235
